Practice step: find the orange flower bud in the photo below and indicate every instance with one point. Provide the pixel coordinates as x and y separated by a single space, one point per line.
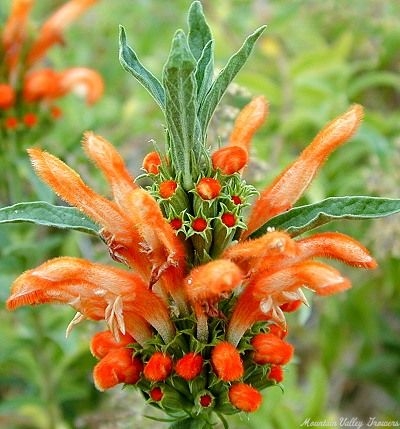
208 188
236 200
276 373
226 361
152 162
199 224
56 112
176 223
230 159
277 331
158 367
245 397
7 96
103 342
156 394
228 219
167 188
189 366
269 348
205 400
116 367
11 123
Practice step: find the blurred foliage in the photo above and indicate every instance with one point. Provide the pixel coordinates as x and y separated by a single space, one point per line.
314 60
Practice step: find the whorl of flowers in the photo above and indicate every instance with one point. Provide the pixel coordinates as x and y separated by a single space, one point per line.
28 88
196 314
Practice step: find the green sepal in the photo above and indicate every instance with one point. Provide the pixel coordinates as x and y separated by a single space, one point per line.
257 376
304 218
131 64
181 108
46 214
225 77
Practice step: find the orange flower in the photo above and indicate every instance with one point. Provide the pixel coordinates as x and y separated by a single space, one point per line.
152 162
7 96
269 348
245 397
189 366
104 341
118 366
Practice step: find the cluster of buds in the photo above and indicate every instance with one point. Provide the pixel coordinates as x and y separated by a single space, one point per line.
196 320
28 91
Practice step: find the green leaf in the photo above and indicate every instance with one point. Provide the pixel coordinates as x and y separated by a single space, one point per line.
205 71
180 107
199 31
304 218
42 213
131 63
225 77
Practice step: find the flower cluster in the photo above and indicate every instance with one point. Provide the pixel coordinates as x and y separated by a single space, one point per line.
196 317
28 90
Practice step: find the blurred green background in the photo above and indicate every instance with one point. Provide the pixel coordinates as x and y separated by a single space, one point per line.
314 60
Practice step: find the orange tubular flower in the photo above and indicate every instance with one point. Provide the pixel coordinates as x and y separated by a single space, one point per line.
290 185
196 317
7 96
41 84
51 31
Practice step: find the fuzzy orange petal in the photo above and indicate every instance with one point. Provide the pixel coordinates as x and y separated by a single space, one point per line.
249 120
290 185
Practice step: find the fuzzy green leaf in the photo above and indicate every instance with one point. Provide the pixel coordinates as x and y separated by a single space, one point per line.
43 213
205 71
181 107
304 218
225 77
199 31
131 64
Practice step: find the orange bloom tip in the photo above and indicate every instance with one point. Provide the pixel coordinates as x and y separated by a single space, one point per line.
167 188
230 159
41 84
156 394
56 112
152 162
7 96
117 366
226 362
103 342
158 367
11 123
208 188
276 373
245 397
277 330
84 82
270 349
249 120
189 366
212 281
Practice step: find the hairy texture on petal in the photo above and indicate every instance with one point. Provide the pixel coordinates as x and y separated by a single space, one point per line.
245 397
226 362
14 31
338 246
51 31
118 366
212 281
96 291
104 341
269 348
290 185
158 368
83 81
189 366
110 162
249 120
251 253
267 291
230 159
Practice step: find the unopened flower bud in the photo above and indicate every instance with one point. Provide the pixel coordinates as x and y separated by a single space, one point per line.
158 368
7 96
151 162
226 361
245 397
208 188
269 348
230 159
103 342
189 366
